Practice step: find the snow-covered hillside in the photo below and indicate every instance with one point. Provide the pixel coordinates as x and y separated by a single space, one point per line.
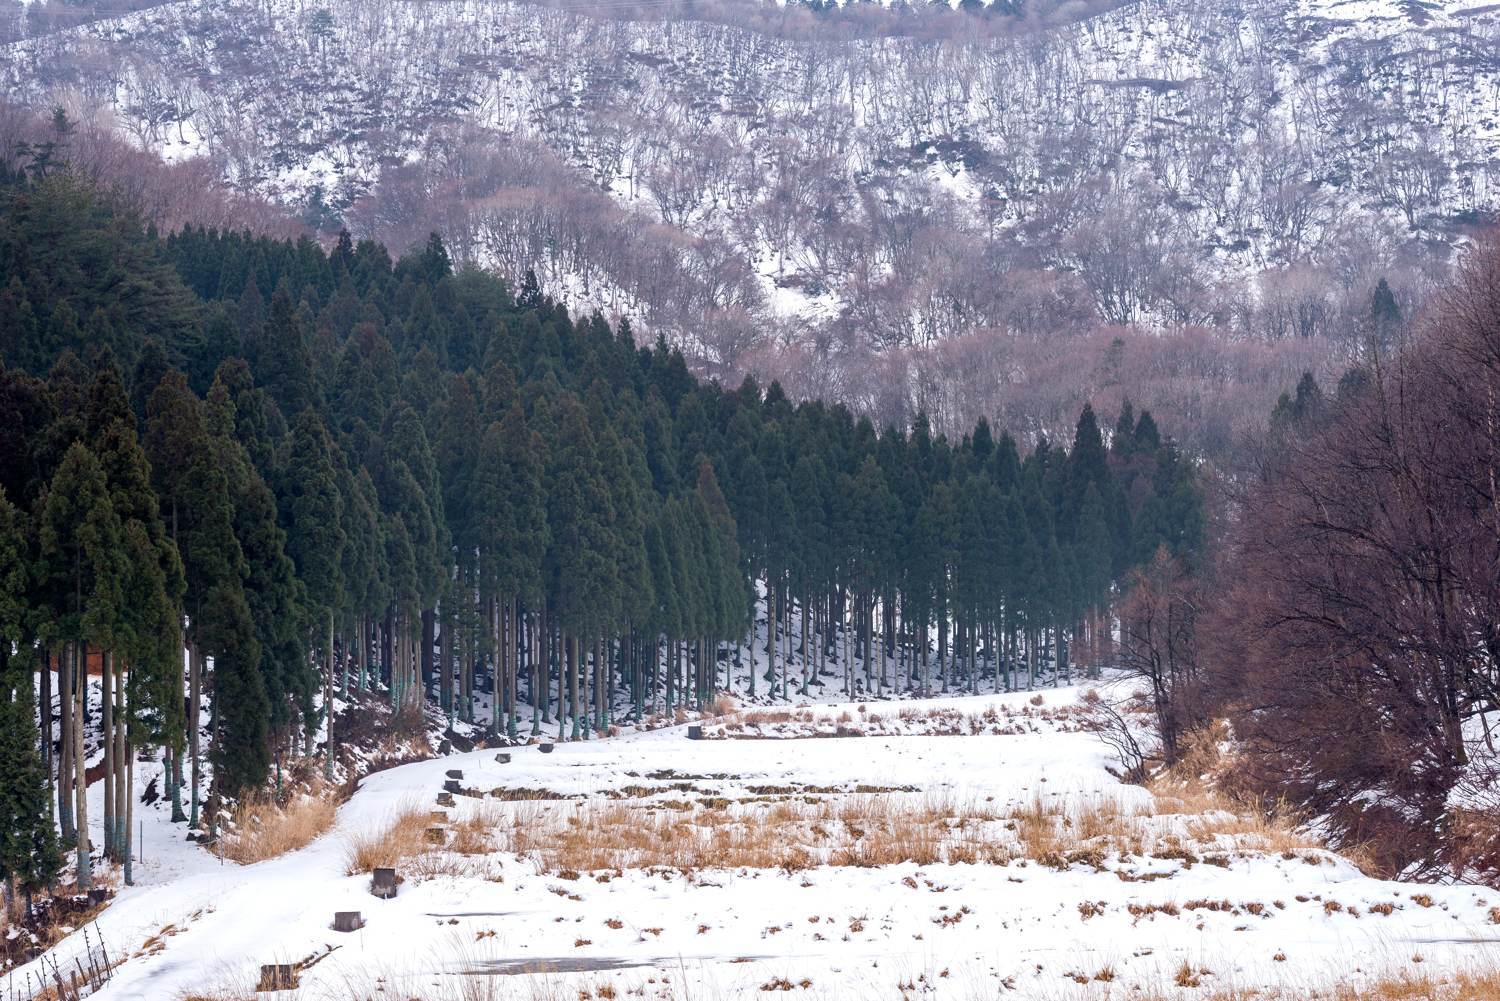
1247 136
991 865
929 218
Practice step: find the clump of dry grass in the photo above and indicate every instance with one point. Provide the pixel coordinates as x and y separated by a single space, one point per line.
1196 787
263 829
402 837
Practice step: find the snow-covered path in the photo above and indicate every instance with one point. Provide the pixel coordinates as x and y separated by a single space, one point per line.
1020 929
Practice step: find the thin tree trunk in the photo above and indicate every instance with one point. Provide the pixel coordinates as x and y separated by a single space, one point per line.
123 789
107 737
46 720
81 789
129 813
328 706
65 744
195 692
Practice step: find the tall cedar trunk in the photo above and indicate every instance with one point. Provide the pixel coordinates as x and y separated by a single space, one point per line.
129 839
942 650
562 686
122 755
601 671
771 635
46 718
497 655
387 651
195 699
575 658
428 640
328 706
445 660
80 776
668 665
582 714
107 737
65 744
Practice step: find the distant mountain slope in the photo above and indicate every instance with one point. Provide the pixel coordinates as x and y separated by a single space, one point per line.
1252 167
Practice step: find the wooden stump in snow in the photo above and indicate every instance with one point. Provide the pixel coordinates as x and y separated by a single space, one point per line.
455 773
695 732
503 758
348 921
445 799
544 748
383 883
277 977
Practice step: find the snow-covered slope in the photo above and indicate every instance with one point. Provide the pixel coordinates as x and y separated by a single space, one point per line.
1245 136
1167 889
931 218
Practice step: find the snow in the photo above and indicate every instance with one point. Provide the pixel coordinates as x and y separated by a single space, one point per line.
846 931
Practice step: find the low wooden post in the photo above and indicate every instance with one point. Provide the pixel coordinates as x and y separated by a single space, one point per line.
348 921
383 883
277 977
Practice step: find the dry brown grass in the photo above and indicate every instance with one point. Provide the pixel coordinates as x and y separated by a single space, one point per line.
263 829
402 837
1198 788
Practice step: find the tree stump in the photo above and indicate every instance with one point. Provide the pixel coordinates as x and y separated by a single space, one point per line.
502 758
277 977
383 883
544 748
455 773
695 732
445 799
348 921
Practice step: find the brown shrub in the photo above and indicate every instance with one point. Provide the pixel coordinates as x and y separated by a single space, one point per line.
263 829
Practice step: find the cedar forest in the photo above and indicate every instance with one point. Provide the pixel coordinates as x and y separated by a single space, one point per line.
251 479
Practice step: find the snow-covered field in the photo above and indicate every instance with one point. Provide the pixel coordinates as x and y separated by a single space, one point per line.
1081 887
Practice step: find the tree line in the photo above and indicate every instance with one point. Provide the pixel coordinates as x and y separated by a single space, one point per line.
246 480
1346 624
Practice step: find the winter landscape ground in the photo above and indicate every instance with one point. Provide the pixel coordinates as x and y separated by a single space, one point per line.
1002 862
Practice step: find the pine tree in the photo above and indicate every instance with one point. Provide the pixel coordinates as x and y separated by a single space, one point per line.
82 562
314 507
30 857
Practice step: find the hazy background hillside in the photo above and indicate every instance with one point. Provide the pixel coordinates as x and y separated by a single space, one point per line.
1003 211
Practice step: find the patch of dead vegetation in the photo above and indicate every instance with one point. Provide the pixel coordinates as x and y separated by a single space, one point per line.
262 828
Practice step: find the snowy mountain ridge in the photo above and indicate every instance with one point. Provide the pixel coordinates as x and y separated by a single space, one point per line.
1252 168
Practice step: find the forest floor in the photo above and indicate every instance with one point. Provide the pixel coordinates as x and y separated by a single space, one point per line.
988 854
